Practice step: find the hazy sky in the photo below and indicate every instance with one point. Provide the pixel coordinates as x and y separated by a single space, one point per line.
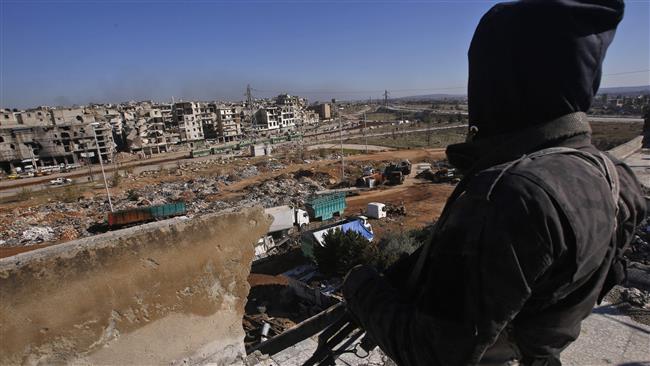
76 51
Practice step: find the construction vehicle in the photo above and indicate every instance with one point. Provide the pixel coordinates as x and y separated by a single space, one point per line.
371 180
445 175
396 173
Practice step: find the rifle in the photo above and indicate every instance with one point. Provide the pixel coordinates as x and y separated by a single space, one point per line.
336 325
335 340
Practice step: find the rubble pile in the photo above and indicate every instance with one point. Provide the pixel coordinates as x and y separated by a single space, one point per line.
167 192
637 298
395 210
50 222
78 216
640 247
283 190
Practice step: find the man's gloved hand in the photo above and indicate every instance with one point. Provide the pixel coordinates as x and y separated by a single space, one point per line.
355 280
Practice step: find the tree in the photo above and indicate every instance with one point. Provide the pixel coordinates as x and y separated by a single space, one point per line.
341 252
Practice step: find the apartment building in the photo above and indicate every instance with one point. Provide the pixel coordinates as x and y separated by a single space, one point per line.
229 123
267 118
147 133
324 111
8 118
53 144
187 122
35 117
208 118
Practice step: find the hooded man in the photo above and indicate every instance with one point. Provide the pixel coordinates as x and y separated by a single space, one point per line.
532 237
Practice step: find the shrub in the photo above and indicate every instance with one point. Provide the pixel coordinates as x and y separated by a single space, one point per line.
344 250
392 247
24 194
133 195
68 194
116 179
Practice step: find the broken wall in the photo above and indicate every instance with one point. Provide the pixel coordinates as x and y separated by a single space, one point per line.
163 293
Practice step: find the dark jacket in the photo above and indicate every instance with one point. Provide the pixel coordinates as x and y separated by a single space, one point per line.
525 245
523 250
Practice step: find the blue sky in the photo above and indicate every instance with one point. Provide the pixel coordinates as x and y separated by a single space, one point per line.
73 51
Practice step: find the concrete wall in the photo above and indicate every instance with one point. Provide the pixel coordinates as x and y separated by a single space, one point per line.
171 292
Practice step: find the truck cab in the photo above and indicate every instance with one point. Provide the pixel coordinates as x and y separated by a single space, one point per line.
301 218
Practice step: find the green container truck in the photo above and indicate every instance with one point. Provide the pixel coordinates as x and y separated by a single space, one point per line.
199 153
324 206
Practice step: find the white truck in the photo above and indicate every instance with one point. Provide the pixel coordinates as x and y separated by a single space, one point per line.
376 210
286 217
60 181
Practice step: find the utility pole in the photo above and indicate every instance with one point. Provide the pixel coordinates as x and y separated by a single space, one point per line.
386 98
88 162
341 138
365 126
101 163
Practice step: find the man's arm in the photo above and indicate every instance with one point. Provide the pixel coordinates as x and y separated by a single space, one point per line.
478 278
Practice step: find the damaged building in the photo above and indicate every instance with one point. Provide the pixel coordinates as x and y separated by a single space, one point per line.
52 137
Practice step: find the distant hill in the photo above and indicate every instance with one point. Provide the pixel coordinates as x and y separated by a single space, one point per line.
622 90
432 97
626 90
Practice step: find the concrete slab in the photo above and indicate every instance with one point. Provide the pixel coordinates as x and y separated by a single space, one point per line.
609 338
640 164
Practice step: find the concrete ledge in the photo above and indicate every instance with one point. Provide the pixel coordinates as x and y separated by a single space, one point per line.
162 293
623 151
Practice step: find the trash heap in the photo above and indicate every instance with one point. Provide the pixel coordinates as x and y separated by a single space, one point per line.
283 190
81 214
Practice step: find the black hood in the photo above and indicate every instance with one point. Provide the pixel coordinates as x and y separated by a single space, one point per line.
533 61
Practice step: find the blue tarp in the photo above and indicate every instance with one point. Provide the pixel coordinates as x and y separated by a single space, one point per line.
357 225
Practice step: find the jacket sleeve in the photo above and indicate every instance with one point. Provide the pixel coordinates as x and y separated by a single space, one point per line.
477 278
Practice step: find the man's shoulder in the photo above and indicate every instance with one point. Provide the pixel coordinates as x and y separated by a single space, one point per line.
562 176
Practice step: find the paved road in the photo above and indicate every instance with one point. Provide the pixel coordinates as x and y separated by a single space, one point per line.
350 147
9 188
390 133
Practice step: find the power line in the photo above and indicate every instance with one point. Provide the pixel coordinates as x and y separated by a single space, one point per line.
404 89
627 72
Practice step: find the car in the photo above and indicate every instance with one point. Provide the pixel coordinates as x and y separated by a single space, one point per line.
60 181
